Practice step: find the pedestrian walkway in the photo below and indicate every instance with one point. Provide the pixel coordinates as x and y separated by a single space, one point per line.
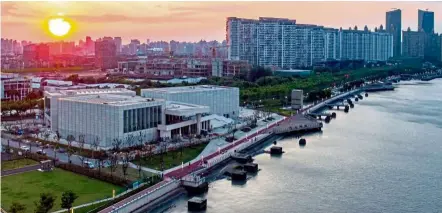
134 166
20 170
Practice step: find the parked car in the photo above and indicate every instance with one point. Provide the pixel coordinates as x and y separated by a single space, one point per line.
25 148
61 150
41 152
88 164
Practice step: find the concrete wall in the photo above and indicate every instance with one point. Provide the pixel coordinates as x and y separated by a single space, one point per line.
99 120
220 101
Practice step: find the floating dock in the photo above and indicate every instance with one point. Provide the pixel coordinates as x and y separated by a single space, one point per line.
298 123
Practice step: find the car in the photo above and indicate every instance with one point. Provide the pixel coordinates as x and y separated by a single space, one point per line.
41 152
61 150
25 148
88 164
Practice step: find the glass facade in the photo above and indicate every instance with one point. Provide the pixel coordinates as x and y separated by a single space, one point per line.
141 118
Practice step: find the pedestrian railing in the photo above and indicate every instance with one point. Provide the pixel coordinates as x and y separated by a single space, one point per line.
142 199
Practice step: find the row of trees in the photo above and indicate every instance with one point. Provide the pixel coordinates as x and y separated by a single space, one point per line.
46 203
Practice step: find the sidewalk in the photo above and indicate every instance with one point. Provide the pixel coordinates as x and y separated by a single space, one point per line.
20 170
132 165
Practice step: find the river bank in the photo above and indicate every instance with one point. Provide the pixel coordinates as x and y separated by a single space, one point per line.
380 157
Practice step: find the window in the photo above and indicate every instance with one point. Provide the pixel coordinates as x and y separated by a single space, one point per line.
141 118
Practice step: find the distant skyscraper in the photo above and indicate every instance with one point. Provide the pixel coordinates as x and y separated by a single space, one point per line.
394 26
413 44
118 44
105 54
426 21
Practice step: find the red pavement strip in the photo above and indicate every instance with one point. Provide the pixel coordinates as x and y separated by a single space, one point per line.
181 172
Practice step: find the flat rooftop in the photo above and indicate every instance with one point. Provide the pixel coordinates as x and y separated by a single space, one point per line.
188 89
184 109
68 92
111 99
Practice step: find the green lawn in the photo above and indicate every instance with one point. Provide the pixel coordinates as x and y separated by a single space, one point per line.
132 174
14 164
173 158
26 187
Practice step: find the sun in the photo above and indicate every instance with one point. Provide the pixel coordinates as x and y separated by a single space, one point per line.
59 26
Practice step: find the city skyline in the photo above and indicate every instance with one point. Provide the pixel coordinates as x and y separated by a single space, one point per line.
182 21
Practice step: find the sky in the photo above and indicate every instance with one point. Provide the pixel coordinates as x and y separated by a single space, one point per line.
192 21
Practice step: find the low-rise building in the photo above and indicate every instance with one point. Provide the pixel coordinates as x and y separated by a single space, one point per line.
297 99
111 116
221 100
14 87
52 94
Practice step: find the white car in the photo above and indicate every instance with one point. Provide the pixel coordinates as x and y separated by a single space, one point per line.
25 148
88 164
41 152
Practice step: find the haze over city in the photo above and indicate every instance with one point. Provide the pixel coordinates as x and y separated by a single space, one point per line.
325 107
192 21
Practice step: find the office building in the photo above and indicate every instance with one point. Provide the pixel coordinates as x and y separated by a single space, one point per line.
426 21
221 100
394 26
14 87
413 44
105 54
35 55
432 47
118 44
229 68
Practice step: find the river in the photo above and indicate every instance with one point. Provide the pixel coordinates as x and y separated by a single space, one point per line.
385 155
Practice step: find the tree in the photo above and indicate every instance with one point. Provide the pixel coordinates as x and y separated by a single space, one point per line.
258 72
130 141
67 199
125 162
163 152
17 208
81 143
94 145
45 204
117 142
113 162
69 151
140 140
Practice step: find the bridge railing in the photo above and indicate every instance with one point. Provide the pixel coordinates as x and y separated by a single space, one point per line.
147 197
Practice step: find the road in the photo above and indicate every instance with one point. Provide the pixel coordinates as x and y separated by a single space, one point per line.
50 152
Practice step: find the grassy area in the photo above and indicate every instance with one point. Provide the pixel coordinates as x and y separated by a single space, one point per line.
26 187
172 158
132 174
15 164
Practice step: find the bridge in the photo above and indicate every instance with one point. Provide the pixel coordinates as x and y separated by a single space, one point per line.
322 114
337 105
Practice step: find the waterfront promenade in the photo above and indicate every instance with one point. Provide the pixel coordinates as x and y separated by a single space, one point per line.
171 177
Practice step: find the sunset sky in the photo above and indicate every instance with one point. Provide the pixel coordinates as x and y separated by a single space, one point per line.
192 21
